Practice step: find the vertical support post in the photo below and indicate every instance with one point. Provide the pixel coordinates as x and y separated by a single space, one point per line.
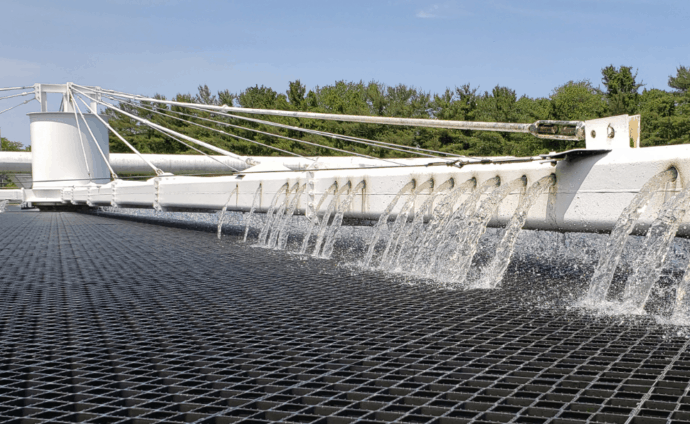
41 97
96 97
635 130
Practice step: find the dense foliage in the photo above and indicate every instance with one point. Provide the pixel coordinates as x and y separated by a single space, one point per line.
12 146
665 116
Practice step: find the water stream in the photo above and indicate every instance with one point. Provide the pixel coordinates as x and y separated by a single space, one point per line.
269 215
414 235
475 226
323 225
610 256
221 217
315 221
493 274
398 229
284 229
648 266
441 215
338 220
280 216
449 230
251 213
383 222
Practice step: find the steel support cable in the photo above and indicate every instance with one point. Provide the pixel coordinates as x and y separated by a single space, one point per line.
157 170
16 88
15 106
169 131
374 143
308 131
213 129
81 139
247 129
260 132
417 122
26 93
187 145
391 146
195 149
107 162
320 133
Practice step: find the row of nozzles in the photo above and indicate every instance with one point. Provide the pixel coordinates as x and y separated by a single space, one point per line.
436 239
275 230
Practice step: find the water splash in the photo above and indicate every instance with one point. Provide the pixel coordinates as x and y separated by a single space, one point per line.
3 205
494 272
269 215
400 223
452 226
648 266
284 229
327 216
279 216
383 222
610 256
315 221
251 212
221 217
476 226
338 220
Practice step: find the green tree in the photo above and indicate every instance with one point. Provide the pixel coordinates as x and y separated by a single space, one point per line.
12 146
576 101
296 93
622 89
262 98
681 82
205 97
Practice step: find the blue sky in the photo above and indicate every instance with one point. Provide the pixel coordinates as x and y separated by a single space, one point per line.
172 46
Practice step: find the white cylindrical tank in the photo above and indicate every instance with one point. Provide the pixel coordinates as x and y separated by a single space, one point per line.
58 158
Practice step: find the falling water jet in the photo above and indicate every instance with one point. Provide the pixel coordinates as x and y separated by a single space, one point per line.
284 229
399 225
494 272
326 217
225 208
681 311
338 220
269 215
251 213
305 241
3 205
647 267
383 222
455 222
440 217
610 256
408 247
476 226
280 215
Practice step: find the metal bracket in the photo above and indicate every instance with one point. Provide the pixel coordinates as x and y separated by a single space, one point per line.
575 152
609 133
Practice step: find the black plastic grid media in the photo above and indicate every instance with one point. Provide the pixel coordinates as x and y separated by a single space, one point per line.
106 321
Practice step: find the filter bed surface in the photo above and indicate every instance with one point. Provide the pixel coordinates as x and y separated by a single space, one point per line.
106 321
